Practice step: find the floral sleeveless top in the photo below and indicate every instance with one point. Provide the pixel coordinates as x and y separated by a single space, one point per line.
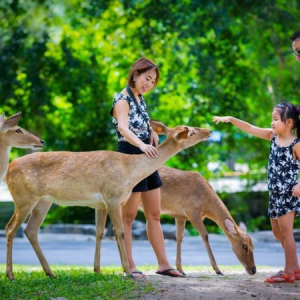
139 123
283 168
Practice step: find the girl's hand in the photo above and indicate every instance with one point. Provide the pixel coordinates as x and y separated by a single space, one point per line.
296 190
217 119
154 139
149 150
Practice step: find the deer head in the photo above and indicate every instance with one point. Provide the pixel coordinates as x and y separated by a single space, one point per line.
185 136
12 135
241 244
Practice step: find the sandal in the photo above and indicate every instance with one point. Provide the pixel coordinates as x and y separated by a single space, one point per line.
297 275
280 277
138 272
169 273
277 274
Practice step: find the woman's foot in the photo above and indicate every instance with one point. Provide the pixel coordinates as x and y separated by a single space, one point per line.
170 272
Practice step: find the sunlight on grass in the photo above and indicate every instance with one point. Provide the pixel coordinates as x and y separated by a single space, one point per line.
71 283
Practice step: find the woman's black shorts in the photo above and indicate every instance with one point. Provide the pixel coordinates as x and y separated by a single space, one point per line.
151 182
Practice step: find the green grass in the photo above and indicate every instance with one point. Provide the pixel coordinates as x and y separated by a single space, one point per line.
82 283
71 283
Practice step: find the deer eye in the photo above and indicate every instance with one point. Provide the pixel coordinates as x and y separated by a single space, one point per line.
245 247
18 130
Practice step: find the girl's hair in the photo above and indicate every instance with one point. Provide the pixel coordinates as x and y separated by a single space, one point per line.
142 65
289 111
295 36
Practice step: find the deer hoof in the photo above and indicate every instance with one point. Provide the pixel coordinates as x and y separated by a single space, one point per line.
51 275
10 277
219 273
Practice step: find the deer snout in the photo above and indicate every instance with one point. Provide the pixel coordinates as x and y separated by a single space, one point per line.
209 132
42 143
251 270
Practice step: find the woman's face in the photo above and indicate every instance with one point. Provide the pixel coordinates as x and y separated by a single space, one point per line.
296 49
145 81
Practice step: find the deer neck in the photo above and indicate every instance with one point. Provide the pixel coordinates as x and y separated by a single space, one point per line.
218 215
144 166
4 159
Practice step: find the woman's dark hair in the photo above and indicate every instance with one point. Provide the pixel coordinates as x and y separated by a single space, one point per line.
289 111
142 65
295 36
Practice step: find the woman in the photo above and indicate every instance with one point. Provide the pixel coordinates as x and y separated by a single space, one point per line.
135 136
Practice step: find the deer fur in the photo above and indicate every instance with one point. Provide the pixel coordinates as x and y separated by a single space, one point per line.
100 179
12 135
186 196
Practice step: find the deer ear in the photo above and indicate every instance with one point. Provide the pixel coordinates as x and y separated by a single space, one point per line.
182 134
159 127
243 226
11 122
230 226
2 117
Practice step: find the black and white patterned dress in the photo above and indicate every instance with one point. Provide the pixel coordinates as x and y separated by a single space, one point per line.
282 177
139 124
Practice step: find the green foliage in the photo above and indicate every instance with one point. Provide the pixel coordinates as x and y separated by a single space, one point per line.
71 283
63 60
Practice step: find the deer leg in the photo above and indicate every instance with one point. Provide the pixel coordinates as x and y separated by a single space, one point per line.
11 228
101 215
199 225
36 219
118 228
180 226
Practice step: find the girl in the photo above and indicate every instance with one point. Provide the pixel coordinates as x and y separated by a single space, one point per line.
135 136
283 185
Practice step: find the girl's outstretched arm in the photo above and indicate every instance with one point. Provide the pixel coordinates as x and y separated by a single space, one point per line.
263 133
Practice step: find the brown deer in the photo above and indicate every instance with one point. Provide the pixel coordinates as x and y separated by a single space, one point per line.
12 135
100 179
188 196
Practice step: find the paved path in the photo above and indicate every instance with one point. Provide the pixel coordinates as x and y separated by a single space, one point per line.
63 249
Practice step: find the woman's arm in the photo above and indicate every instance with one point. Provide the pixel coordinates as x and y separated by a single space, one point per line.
263 133
120 112
154 139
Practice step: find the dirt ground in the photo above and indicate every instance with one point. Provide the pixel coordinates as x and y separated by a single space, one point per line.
232 285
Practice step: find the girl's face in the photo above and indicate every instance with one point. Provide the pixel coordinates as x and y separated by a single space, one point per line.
277 125
145 81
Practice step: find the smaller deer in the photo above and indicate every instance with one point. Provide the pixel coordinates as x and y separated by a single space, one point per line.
102 180
12 135
188 196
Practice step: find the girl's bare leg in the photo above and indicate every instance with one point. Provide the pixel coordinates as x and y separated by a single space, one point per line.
286 225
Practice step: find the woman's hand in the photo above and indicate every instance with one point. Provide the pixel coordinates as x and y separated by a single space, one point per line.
296 190
154 139
217 119
149 150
